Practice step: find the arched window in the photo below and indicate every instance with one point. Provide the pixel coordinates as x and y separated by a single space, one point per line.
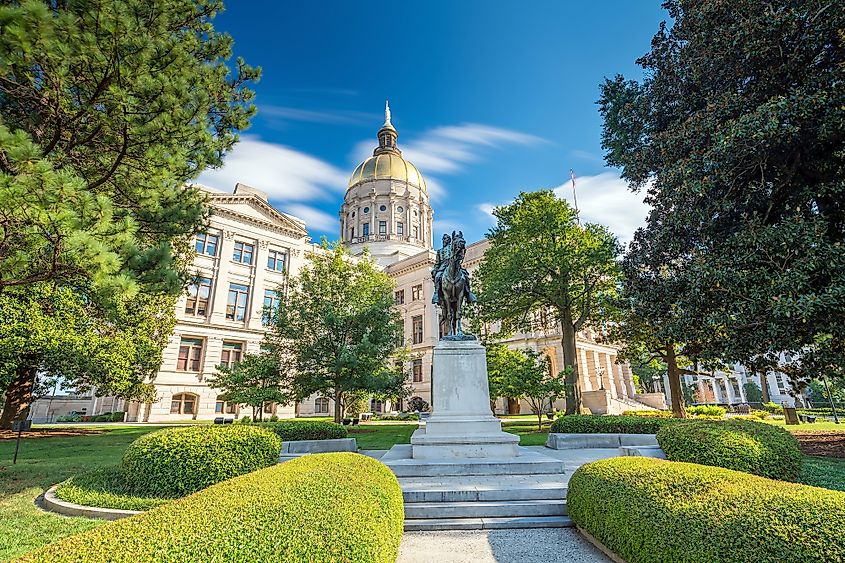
184 403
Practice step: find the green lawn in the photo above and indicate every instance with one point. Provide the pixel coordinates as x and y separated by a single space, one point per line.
827 472
814 427
43 462
375 436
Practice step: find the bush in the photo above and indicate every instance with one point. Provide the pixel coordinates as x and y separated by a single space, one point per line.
246 419
273 418
178 461
596 424
707 410
773 408
401 416
107 488
69 418
760 415
305 430
646 510
743 445
657 414
318 508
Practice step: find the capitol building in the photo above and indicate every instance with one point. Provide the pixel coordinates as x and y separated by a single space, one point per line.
250 248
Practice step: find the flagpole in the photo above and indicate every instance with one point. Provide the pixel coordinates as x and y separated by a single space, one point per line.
574 197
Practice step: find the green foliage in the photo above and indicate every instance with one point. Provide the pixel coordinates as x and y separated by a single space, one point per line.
319 508
107 488
742 445
753 393
339 327
178 461
655 414
305 430
649 510
543 267
773 408
735 136
610 424
255 380
69 418
707 410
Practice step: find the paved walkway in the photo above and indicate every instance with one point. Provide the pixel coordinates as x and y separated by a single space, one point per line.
547 545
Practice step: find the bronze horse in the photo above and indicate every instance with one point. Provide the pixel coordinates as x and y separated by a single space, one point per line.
453 286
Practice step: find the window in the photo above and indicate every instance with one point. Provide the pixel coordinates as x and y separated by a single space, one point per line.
781 383
231 354
276 260
400 229
416 232
236 305
190 355
269 408
382 208
206 244
417 371
376 405
271 305
243 252
352 232
382 227
198 293
399 297
400 209
417 329
183 403
321 405
365 229
366 210
416 292
225 407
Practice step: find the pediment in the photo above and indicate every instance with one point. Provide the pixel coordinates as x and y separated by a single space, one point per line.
252 207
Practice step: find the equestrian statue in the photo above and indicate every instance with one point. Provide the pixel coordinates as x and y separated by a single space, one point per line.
451 284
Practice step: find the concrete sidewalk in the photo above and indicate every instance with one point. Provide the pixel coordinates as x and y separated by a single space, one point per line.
547 545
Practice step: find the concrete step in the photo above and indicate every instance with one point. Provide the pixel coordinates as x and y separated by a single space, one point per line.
485 509
399 460
483 488
432 524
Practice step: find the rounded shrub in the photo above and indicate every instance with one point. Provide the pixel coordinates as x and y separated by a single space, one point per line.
609 424
178 461
743 445
306 430
318 508
649 510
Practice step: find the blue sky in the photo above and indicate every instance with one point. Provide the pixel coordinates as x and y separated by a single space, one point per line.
489 98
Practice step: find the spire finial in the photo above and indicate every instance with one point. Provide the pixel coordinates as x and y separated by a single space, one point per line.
386 113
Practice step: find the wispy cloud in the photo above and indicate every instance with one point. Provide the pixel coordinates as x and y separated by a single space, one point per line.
604 199
284 173
334 117
313 217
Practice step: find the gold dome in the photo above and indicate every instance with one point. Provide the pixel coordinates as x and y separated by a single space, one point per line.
388 166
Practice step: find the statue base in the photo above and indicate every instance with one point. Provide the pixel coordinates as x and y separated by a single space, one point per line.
461 424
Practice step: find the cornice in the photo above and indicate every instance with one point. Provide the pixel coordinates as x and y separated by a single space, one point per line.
285 226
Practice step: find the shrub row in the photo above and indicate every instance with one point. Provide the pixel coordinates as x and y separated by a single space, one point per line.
104 417
178 461
649 510
707 410
305 430
743 445
649 413
773 408
319 508
611 424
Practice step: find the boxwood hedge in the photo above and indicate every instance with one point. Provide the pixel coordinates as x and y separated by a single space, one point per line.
305 430
609 424
648 510
319 508
178 461
743 445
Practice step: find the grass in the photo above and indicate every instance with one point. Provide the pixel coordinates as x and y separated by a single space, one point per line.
826 472
817 426
43 462
381 436
105 487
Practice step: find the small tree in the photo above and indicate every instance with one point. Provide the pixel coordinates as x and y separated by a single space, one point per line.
753 393
339 326
541 259
255 380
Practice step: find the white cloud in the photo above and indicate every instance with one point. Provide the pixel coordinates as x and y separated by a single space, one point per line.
314 218
312 116
284 173
604 199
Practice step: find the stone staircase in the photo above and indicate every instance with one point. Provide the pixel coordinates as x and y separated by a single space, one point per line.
526 492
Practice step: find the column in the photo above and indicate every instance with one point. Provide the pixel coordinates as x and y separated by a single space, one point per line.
610 385
618 382
257 284
584 370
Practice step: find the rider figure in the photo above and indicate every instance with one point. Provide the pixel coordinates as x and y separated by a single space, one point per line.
441 264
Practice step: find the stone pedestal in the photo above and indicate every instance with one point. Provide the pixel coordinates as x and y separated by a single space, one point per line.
462 424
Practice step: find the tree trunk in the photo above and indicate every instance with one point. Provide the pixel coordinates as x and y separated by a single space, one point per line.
570 359
338 414
764 386
19 393
513 406
678 410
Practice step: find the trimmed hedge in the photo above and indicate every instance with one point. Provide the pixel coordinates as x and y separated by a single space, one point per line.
649 413
649 510
178 461
107 488
305 430
743 445
707 410
319 508
610 424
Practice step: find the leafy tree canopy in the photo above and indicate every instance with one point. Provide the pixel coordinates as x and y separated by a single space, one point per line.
255 380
